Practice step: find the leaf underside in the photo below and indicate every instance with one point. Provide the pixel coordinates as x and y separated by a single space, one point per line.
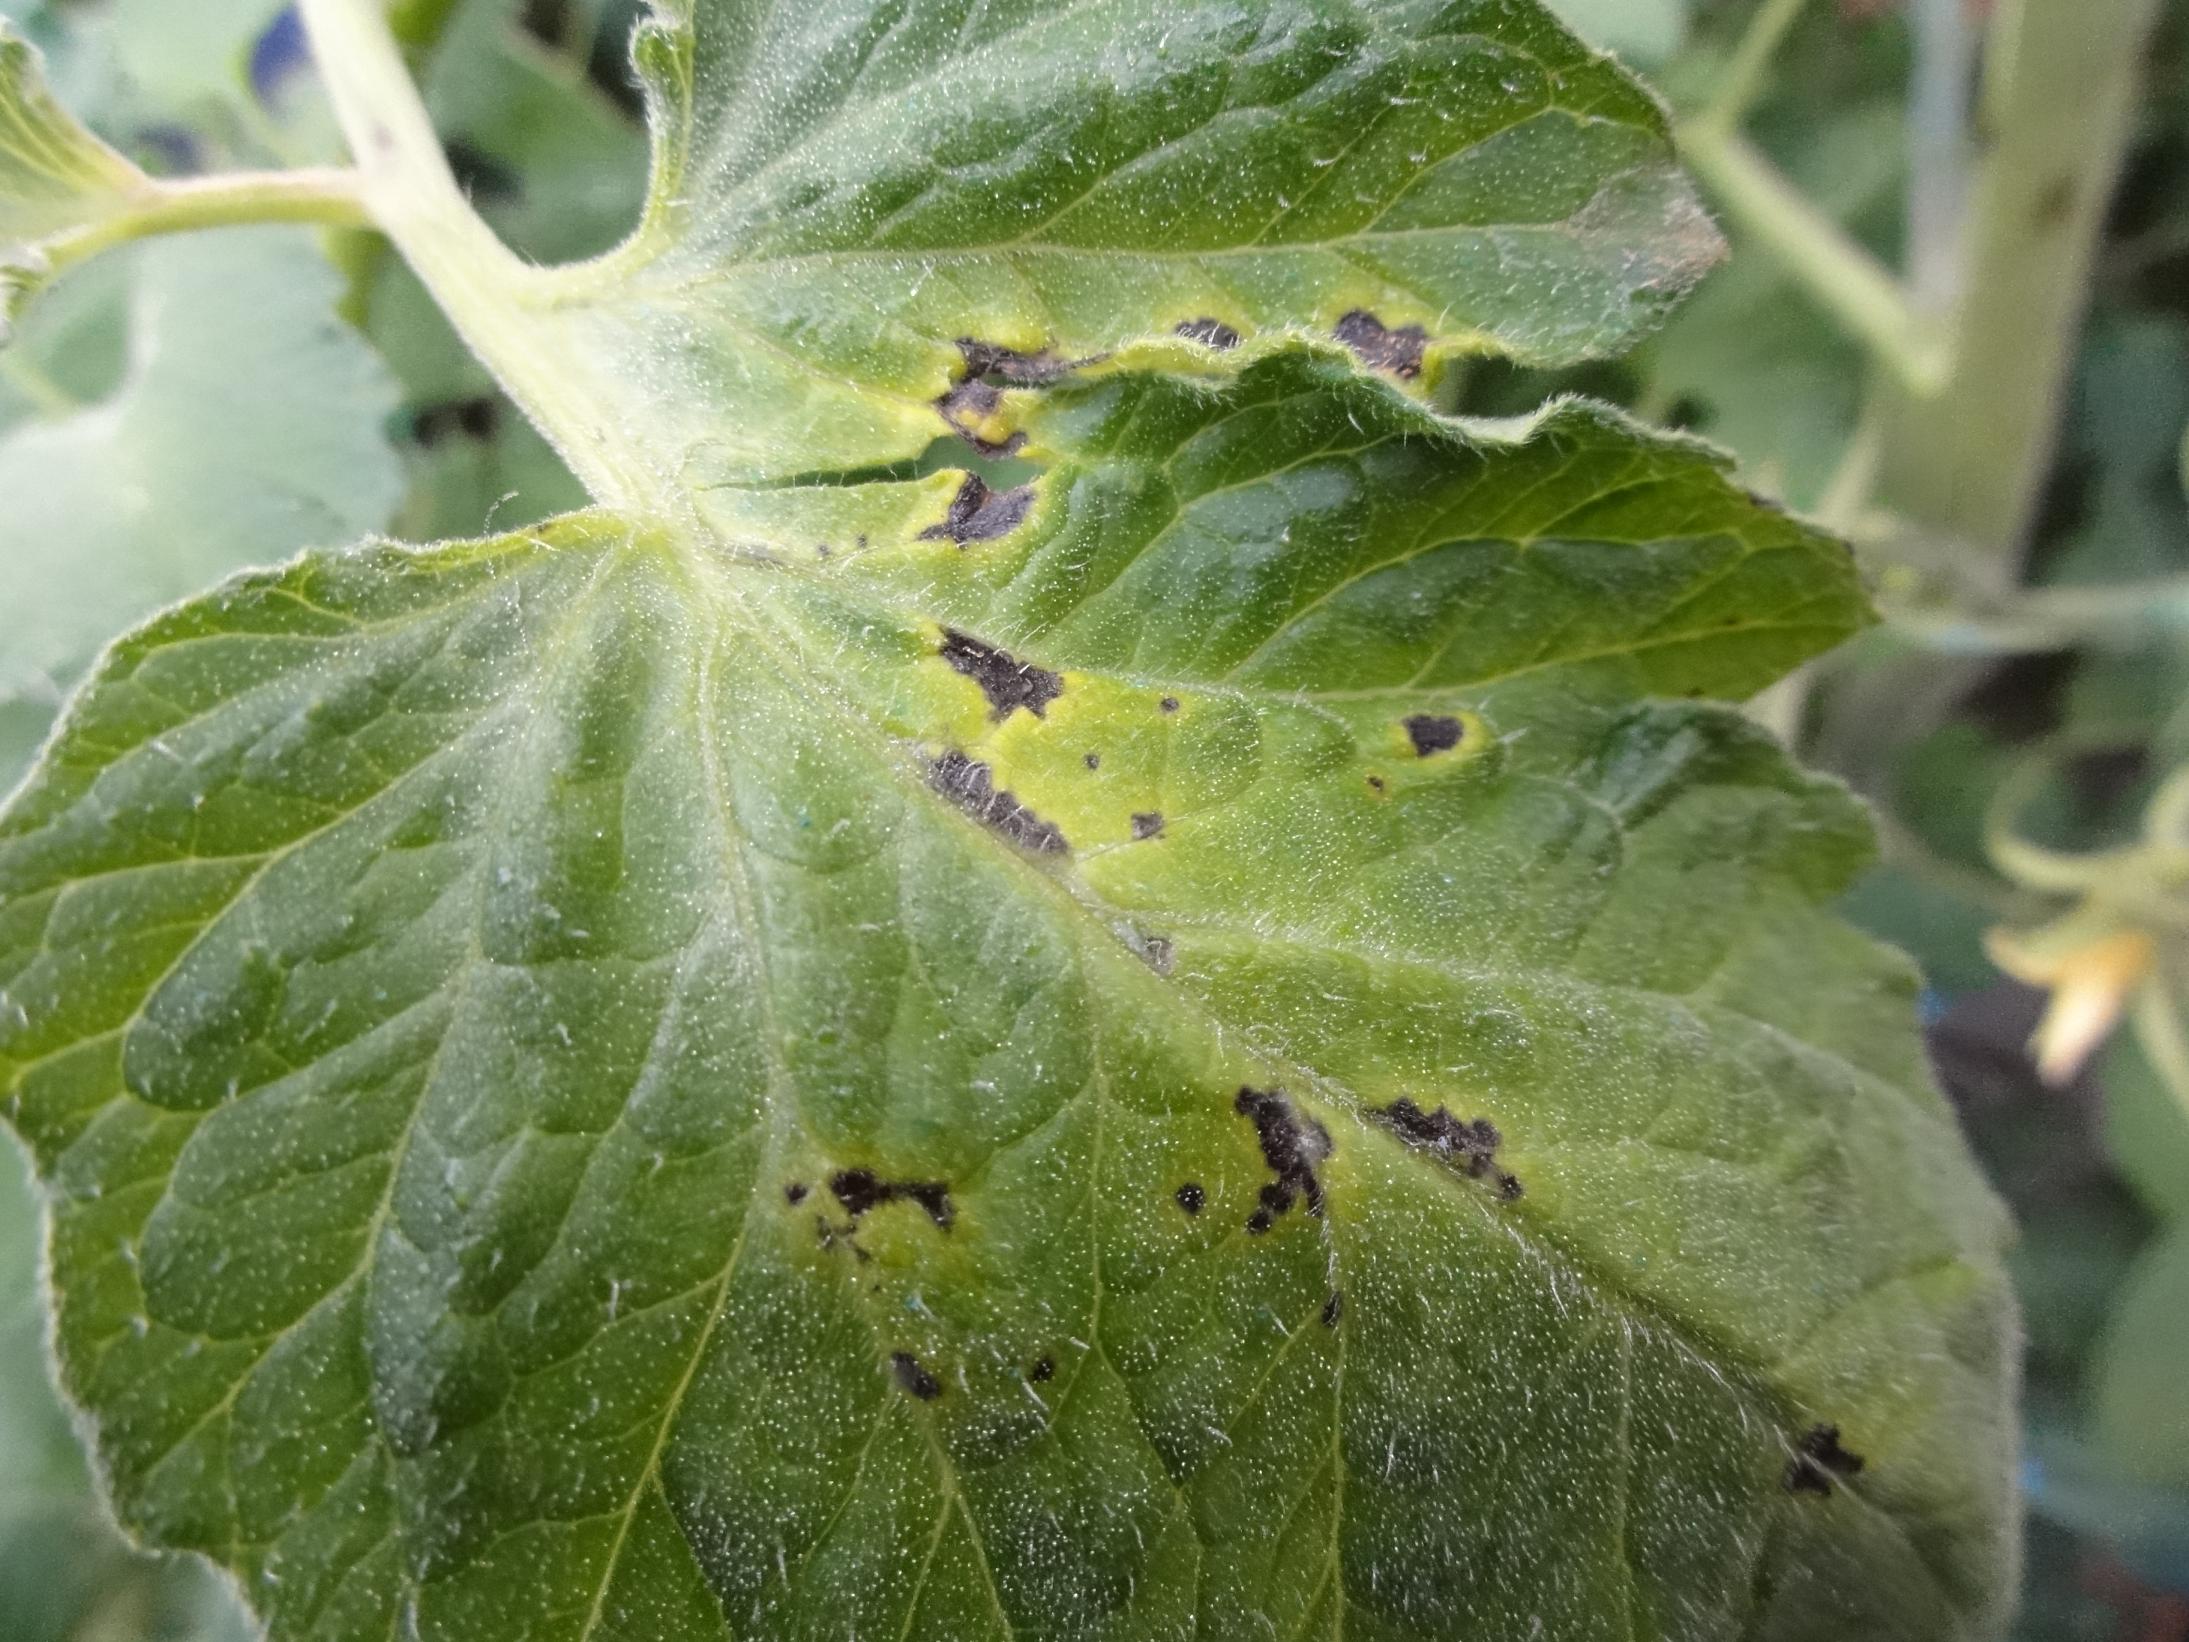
1224 1040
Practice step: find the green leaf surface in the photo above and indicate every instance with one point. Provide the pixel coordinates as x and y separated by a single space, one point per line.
245 421
1196 1017
844 193
593 1088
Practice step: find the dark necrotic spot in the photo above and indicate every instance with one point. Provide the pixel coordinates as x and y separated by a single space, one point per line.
969 404
969 784
1007 682
910 1376
1469 1144
1819 1461
1043 1370
1292 1146
1093 761
978 514
1210 333
1147 824
1169 704
1024 370
1434 733
1333 1309
794 1193
1156 951
1190 1197
861 1189
1381 348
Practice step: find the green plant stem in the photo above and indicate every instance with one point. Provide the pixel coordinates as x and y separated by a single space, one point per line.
496 301
1743 80
1853 286
1966 459
329 196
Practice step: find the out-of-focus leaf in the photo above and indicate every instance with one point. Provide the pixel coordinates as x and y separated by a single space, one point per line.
2147 1129
247 422
2140 1411
1642 31
65 1575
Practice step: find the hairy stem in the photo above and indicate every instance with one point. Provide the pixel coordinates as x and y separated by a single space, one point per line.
496 301
330 197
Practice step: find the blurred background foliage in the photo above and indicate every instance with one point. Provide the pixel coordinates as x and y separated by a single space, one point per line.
2020 720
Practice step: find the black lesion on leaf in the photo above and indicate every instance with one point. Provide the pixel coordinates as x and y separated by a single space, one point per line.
1333 1309
1147 824
1210 333
1093 761
794 1193
1042 1370
1156 951
1191 1197
978 514
1469 1144
966 406
1433 733
1819 1461
1292 1146
1007 682
1381 348
1020 369
862 1189
971 785
905 1369
1168 704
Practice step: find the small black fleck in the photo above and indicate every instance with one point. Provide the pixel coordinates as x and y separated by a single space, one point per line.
1146 824
1259 1222
1093 761
971 785
1375 783
1434 733
794 1193
1509 1187
1157 952
912 1377
978 514
1169 704
1043 1370
1381 348
1210 333
1191 1197
1819 1460
1333 1309
1007 682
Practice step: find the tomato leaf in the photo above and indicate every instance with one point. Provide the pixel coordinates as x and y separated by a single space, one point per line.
1200 1021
